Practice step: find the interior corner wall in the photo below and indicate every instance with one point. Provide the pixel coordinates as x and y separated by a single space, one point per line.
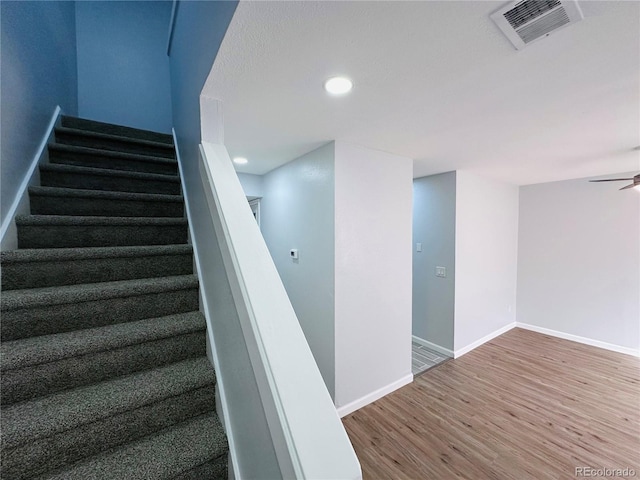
251 184
373 192
198 31
297 212
486 258
579 258
38 72
434 226
123 67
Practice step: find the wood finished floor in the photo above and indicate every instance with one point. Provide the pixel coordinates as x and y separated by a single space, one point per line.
523 406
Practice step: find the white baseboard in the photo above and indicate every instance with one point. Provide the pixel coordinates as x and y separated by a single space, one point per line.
221 398
576 338
373 396
458 353
432 346
20 205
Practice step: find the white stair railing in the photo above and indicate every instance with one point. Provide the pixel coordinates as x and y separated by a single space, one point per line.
307 438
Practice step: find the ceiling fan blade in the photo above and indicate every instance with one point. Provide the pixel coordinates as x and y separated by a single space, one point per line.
628 186
611 180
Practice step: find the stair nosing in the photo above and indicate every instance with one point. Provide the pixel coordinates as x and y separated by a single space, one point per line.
109 136
34 255
58 346
84 220
46 191
130 450
132 129
28 298
108 172
112 153
97 407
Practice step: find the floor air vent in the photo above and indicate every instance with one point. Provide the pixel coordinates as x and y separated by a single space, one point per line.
528 20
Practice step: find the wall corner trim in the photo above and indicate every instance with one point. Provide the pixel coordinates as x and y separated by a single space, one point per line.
211 120
373 396
172 25
576 338
38 158
461 351
432 346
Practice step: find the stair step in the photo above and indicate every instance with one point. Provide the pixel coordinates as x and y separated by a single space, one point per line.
194 449
104 371
36 268
117 143
215 469
102 127
53 231
72 201
49 432
37 366
97 158
44 311
72 176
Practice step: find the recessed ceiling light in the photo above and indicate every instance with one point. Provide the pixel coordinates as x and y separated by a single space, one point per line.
240 160
338 85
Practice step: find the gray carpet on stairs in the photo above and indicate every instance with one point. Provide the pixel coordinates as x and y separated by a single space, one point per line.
168 454
116 143
104 371
54 231
73 201
75 176
119 130
33 268
113 160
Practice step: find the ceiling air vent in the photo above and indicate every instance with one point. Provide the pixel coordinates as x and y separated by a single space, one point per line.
528 20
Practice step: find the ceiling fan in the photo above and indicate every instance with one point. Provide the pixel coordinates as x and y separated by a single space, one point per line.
635 180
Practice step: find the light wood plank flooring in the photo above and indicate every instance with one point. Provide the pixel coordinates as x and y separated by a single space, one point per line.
523 406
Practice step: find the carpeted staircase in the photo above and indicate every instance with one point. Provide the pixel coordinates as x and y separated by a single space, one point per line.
104 373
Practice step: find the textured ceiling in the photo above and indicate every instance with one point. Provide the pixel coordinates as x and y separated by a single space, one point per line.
436 82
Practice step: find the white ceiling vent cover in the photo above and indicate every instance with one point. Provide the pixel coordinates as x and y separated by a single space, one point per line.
528 20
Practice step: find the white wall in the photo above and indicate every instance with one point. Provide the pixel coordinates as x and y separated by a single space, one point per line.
372 274
578 260
434 226
251 184
486 258
297 211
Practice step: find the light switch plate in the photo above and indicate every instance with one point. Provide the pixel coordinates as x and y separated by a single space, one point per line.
441 272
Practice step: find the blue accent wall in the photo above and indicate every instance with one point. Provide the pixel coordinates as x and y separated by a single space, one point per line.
38 71
198 32
123 67
199 29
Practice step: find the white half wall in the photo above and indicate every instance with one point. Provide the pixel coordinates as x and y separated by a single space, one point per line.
297 212
486 258
373 192
434 227
578 261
